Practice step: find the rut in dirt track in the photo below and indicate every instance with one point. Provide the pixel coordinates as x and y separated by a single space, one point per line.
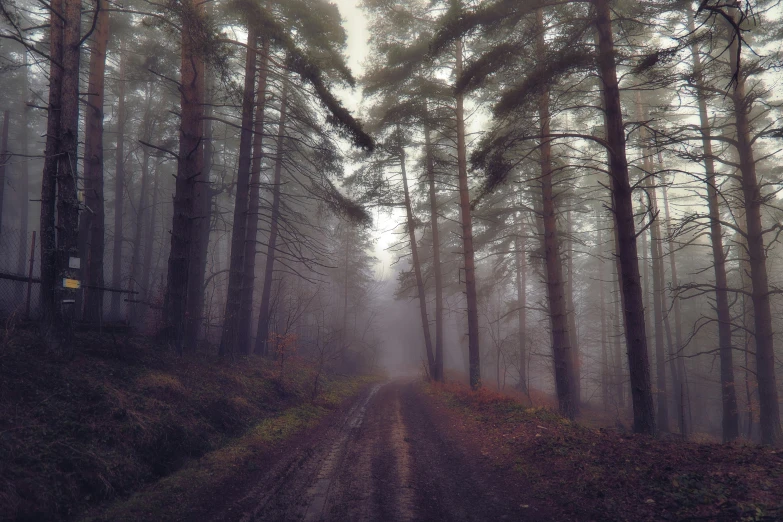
389 458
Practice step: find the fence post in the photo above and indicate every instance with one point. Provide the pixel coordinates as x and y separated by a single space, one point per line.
30 277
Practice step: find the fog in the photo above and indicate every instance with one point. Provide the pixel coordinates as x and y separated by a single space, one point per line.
576 205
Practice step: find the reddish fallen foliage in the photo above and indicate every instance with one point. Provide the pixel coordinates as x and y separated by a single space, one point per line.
599 474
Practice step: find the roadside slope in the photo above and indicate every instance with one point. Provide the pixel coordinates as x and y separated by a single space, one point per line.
595 474
123 415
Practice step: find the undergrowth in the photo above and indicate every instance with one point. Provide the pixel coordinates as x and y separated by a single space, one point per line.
124 413
602 474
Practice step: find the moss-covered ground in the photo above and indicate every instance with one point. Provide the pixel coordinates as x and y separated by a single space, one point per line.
127 429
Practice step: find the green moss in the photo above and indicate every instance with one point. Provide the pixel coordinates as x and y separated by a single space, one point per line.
125 416
172 496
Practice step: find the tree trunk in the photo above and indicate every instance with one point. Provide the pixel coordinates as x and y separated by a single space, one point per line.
604 348
119 191
619 302
23 178
202 225
146 290
67 174
645 275
49 311
520 260
749 342
436 266
230 335
474 355
558 313
572 326
656 255
5 158
189 167
765 354
622 199
728 389
249 270
263 316
618 345
91 225
676 388
344 328
411 226
675 356
135 308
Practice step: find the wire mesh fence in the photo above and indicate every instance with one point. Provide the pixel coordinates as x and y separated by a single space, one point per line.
20 269
20 286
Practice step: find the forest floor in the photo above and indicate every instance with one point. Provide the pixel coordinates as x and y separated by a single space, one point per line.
572 472
126 423
124 431
405 450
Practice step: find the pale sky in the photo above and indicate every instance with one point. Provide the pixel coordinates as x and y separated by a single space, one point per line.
356 27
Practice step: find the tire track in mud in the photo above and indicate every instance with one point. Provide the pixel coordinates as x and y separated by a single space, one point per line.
391 457
298 485
319 490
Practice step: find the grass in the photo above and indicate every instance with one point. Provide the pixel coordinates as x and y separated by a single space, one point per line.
174 495
126 423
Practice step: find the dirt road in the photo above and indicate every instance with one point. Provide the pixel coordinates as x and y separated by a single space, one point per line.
387 458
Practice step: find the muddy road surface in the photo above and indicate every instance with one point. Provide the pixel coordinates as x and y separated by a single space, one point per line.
390 456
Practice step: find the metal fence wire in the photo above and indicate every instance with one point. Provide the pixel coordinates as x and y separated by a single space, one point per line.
20 291
20 287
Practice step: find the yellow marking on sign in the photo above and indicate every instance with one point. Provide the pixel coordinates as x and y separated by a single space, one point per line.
73 284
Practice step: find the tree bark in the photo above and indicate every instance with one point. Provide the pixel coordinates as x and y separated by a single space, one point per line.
189 168
5 158
558 313
748 341
622 199
202 226
572 326
676 387
23 178
148 269
645 274
728 388
411 226
343 346
675 350
520 261
436 266
230 335
261 347
119 190
769 418
604 349
49 311
618 345
474 355
67 174
91 224
136 268
656 255
249 270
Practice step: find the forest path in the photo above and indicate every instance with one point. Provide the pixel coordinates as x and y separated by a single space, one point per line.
390 457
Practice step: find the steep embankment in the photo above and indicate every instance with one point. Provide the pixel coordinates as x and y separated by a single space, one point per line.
124 416
597 474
